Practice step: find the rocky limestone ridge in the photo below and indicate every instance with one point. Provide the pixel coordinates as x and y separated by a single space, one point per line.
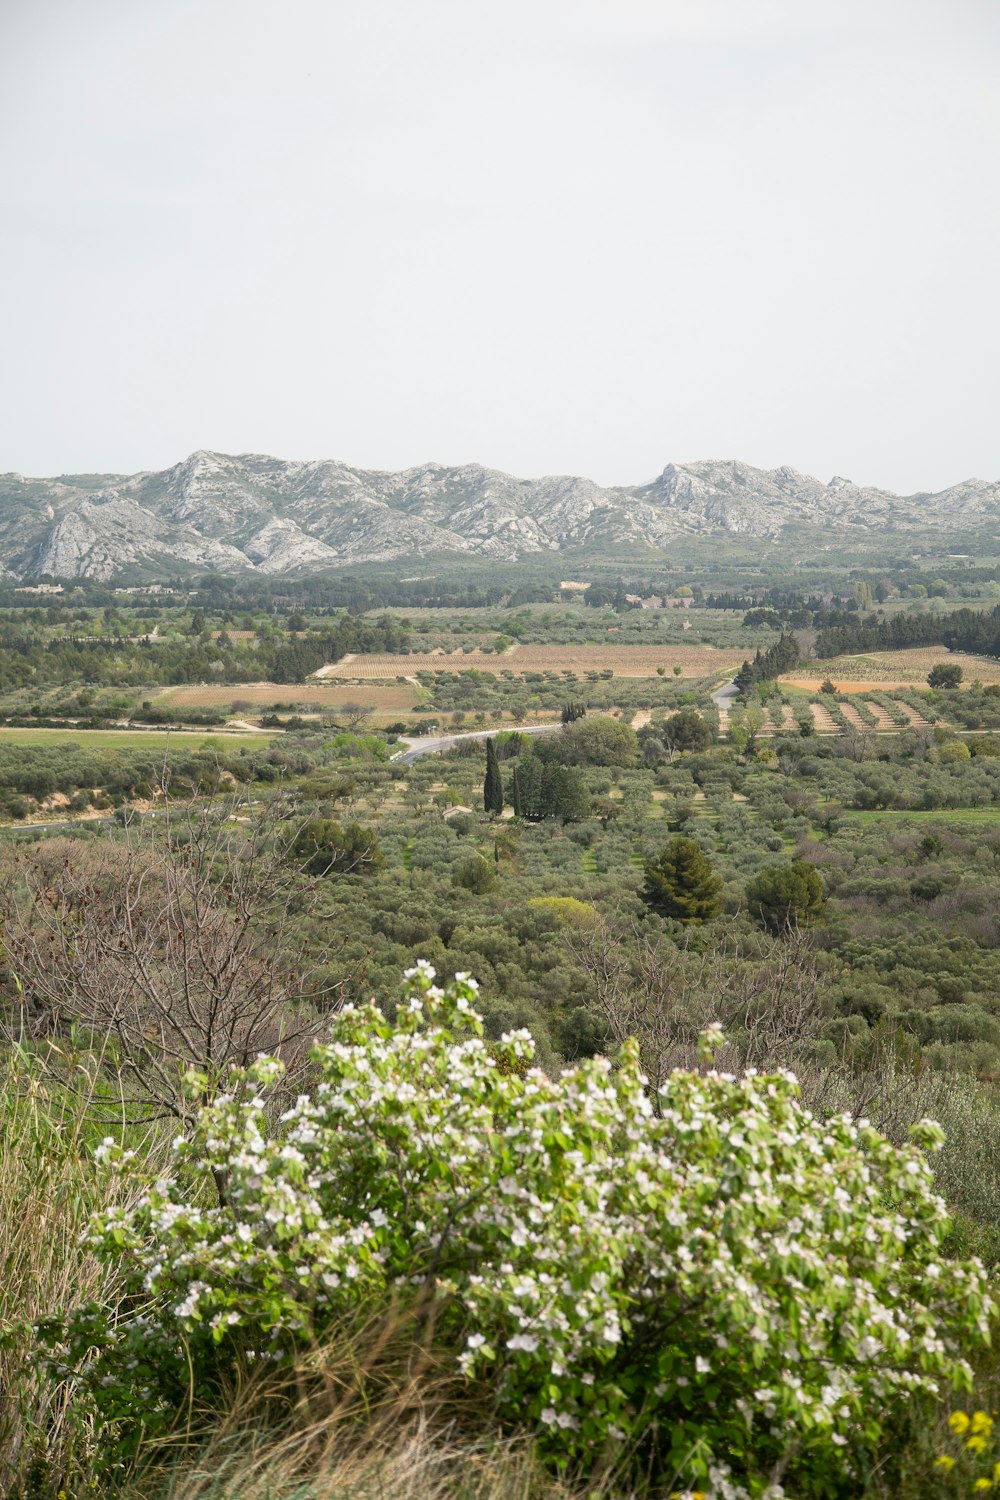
251 512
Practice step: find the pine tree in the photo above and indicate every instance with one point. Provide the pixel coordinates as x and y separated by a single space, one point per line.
493 785
682 883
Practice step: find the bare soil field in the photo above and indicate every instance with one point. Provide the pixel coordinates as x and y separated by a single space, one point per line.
623 661
853 674
381 698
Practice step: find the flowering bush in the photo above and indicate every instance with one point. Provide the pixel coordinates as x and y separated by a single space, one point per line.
733 1286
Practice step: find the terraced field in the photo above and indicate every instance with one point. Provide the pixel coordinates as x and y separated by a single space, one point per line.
823 722
917 720
883 720
853 717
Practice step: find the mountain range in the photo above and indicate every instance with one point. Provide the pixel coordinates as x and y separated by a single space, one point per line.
223 513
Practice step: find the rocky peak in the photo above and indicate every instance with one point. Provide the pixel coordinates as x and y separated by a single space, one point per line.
254 512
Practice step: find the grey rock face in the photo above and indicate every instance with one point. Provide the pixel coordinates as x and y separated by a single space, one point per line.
250 512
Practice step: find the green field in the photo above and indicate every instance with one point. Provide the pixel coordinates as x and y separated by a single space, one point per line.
963 815
117 739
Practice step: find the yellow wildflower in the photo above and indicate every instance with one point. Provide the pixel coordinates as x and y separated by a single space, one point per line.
945 1462
983 1484
996 1473
976 1444
958 1422
981 1423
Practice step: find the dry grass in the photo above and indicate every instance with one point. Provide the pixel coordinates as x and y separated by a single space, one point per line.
404 1449
366 1418
624 661
376 1415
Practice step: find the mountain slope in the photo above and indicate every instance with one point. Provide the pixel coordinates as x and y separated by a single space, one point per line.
251 512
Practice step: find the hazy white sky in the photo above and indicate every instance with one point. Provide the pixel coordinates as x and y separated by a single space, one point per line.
554 236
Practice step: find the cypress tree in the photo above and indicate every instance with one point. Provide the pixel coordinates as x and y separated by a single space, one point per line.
517 802
492 786
529 786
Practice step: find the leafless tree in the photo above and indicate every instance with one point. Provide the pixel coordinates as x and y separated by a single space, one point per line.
763 990
354 715
174 946
859 744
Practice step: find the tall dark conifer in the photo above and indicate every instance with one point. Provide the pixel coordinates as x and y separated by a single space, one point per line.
492 786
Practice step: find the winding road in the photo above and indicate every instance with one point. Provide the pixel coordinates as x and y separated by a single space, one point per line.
723 699
434 744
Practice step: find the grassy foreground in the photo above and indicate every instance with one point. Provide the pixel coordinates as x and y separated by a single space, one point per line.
362 1417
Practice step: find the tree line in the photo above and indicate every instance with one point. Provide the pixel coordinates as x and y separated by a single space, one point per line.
975 631
783 656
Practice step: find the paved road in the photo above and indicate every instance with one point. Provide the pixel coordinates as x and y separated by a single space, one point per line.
73 823
54 827
723 696
434 744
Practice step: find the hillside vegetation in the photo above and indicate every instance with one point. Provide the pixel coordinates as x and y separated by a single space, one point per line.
607 1111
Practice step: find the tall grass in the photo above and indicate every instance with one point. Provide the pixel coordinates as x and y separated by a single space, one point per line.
48 1190
412 1444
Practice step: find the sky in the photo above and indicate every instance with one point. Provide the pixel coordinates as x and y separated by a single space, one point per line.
551 236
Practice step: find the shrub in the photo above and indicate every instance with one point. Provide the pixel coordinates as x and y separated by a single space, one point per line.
475 874
952 753
686 730
598 741
730 1282
785 896
945 674
328 849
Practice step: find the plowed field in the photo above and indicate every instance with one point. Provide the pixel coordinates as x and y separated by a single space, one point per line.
853 674
623 661
388 698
